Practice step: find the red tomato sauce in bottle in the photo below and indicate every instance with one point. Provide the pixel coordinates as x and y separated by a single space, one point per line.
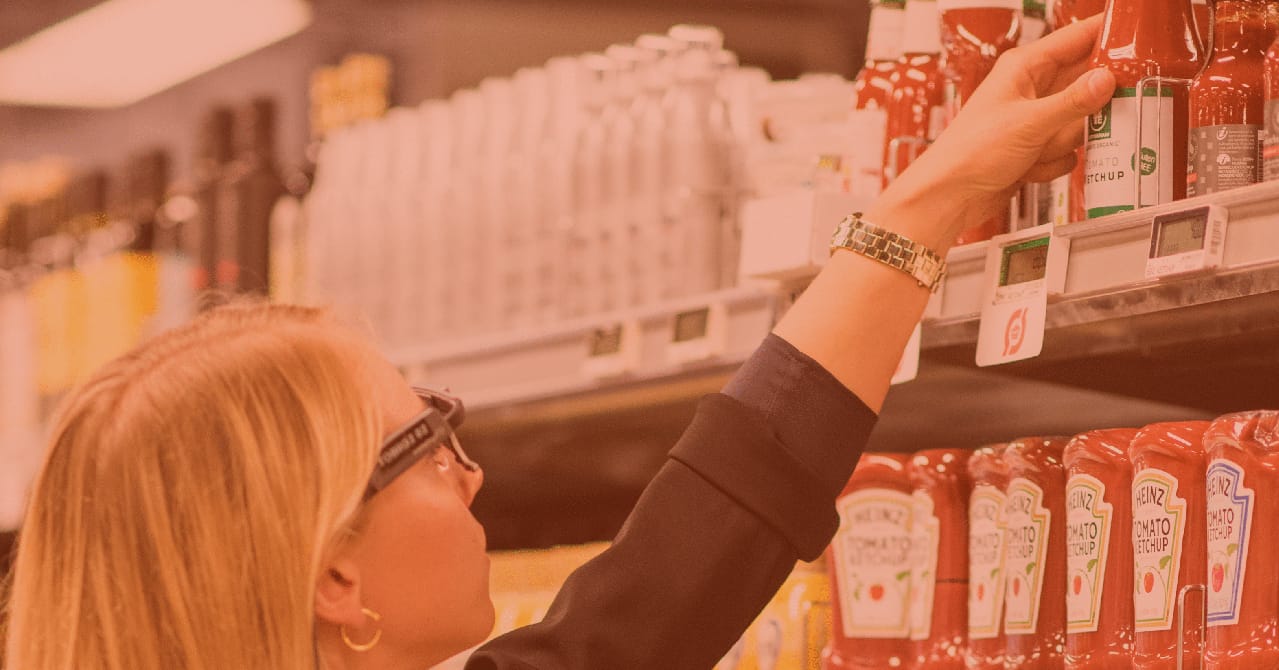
869 566
1099 633
1035 554
986 535
1227 101
1070 190
916 108
939 569
1168 543
1140 39
1242 498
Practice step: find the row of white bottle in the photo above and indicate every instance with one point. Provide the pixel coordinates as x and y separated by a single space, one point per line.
595 183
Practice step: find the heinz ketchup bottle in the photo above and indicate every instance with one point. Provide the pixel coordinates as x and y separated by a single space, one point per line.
1141 39
1242 497
870 570
1168 543
916 112
986 536
868 121
1035 556
1099 551
1227 101
939 565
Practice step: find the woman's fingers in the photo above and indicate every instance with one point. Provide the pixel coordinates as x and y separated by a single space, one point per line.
1066 141
1045 58
1087 94
1045 171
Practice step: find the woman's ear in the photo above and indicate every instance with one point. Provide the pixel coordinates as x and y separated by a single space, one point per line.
337 594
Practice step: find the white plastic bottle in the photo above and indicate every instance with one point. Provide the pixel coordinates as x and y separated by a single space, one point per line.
698 165
590 280
557 161
435 290
468 261
621 196
657 78
495 223
404 208
371 232
529 229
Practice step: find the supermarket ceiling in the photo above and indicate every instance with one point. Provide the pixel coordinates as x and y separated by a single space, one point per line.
20 18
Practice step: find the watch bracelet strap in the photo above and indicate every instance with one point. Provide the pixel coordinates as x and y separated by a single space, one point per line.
922 264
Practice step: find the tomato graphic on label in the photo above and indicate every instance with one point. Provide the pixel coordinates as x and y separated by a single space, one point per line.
1218 577
877 592
1015 332
1077 584
1148 582
1016 586
981 591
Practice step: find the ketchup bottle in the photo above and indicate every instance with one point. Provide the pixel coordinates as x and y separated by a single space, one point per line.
916 112
868 122
986 534
1099 551
1243 521
974 34
870 571
1227 101
1035 558
1068 192
1167 543
939 569
1140 39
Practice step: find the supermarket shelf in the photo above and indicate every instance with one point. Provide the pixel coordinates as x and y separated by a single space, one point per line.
553 372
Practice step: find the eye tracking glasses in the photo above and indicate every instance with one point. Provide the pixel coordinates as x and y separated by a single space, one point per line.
421 438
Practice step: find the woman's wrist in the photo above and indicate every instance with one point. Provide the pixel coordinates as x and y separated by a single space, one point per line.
933 217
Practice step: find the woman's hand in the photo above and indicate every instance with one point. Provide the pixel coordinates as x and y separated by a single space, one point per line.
1023 124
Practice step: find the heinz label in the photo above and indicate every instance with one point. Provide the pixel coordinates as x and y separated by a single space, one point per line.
1158 524
925 534
1112 159
1088 522
1230 506
985 561
1027 547
872 563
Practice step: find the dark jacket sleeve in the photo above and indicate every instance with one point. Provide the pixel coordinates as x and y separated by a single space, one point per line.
748 490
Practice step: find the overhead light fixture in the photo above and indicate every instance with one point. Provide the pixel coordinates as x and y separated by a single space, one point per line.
122 51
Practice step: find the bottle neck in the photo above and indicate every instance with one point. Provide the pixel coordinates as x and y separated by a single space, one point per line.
923 28
884 33
1240 27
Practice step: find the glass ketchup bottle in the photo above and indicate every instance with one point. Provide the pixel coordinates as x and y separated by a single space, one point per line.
869 565
1242 497
939 567
1227 101
1141 39
986 534
1068 192
916 110
1035 554
868 121
1099 551
974 34
1168 543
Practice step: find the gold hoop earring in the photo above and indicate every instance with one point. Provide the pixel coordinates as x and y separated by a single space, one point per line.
377 637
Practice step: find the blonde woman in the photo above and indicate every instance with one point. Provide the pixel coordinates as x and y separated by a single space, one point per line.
261 490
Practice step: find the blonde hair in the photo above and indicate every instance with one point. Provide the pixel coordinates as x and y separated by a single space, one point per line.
189 497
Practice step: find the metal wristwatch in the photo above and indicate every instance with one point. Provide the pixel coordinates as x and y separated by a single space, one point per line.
861 237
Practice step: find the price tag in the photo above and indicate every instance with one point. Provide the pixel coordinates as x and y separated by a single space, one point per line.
612 351
697 335
1187 242
1022 270
908 367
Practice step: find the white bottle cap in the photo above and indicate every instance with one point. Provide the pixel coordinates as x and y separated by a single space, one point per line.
698 36
885 32
599 80
923 28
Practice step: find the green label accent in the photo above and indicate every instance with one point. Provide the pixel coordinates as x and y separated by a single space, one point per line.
1097 212
1099 125
1149 161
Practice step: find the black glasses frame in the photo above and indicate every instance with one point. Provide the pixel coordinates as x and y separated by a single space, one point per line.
420 438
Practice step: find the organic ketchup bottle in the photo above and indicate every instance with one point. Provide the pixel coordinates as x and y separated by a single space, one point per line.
1227 101
868 121
1167 543
1035 554
986 535
916 112
1099 551
1140 39
974 34
939 564
1243 522
1068 192
870 570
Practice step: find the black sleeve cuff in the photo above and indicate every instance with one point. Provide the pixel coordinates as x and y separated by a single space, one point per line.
822 423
